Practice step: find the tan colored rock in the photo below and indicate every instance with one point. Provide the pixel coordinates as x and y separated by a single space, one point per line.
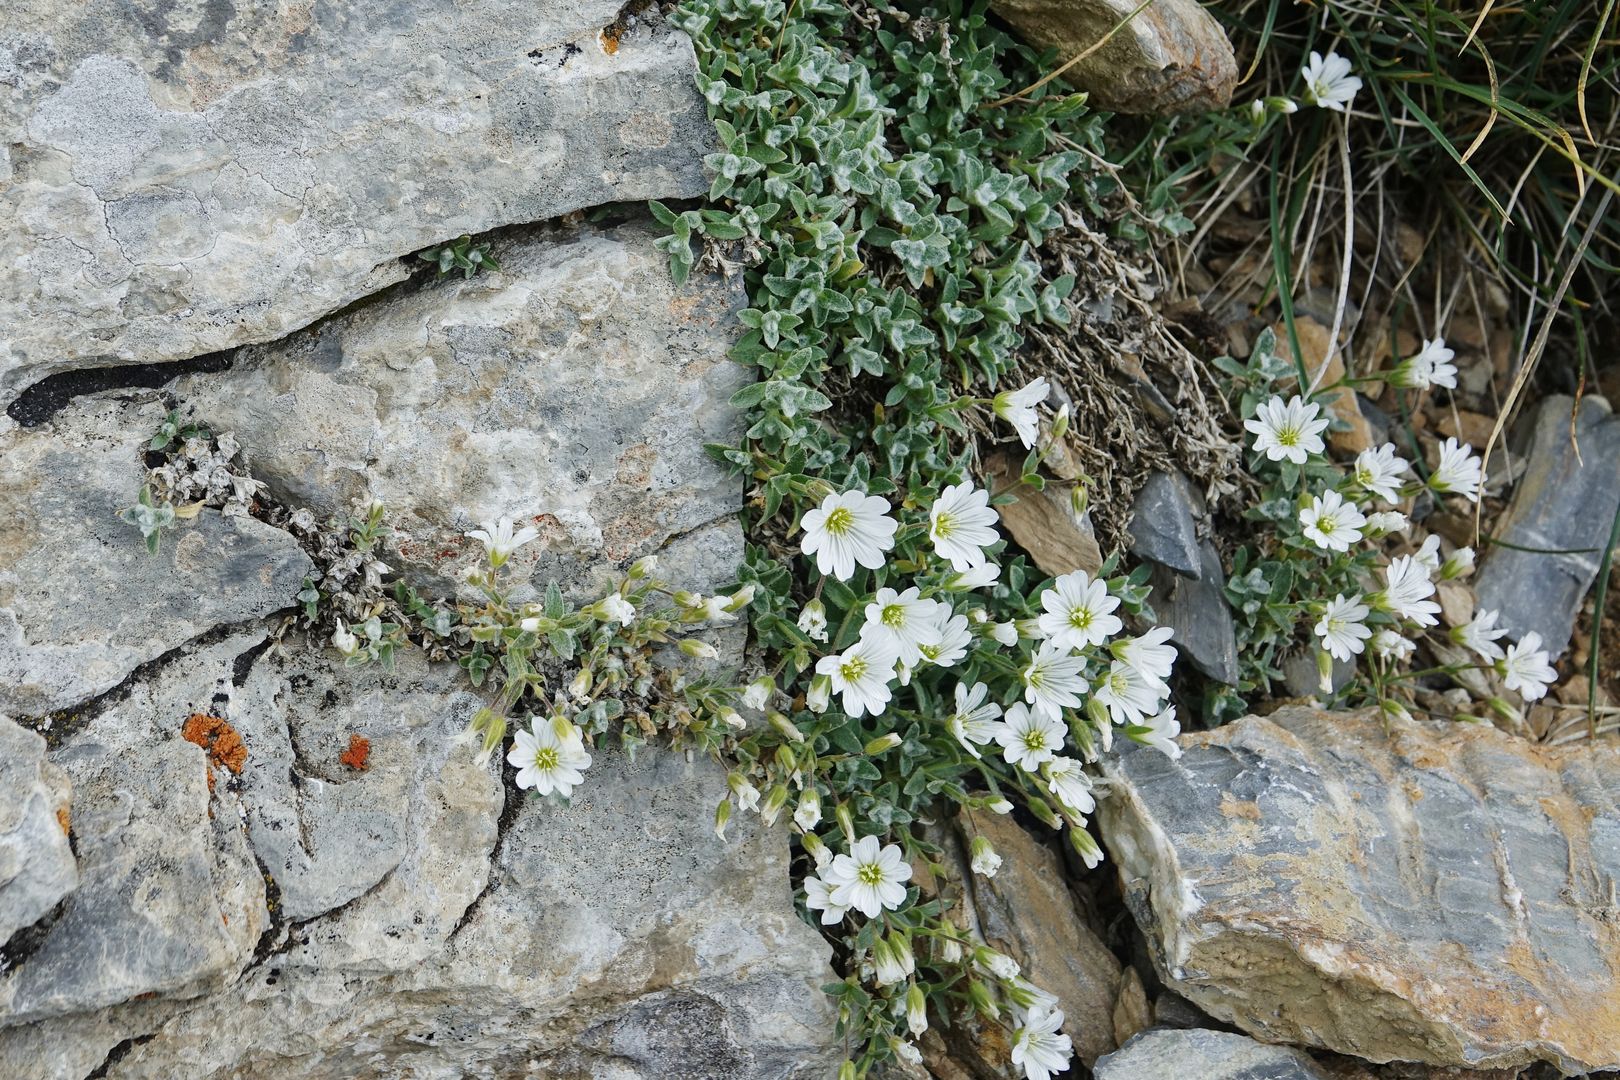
1314 343
1172 57
1132 1013
1044 523
1028 912
1442 893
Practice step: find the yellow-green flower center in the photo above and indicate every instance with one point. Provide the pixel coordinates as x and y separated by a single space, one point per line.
1035 740
839 522
870 874
1080 618
852 669
943 525
1288 436
893 616
545 758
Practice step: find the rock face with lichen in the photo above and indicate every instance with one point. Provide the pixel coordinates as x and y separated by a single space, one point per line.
1443 893
223 853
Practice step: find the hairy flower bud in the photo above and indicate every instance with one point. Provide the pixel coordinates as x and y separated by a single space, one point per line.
985 860
882 743
700 650
722 814
758 693
785 726
916 1010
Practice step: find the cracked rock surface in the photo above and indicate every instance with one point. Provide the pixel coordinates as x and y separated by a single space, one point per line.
181 179
36 861
1443 893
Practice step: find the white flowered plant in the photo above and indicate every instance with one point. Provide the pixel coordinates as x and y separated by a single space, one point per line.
1336 576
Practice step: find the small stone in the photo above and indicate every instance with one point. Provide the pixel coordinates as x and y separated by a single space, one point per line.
1164 523
1456 601
1171 57
36 861
1199 1054
1132 1013
1563 503
1470 427
1044 523
1027 911
1302 679
1199 617
1439 893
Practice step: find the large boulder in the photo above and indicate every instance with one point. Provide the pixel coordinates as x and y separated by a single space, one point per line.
178 180
1442 893
575 388
36 861
82 602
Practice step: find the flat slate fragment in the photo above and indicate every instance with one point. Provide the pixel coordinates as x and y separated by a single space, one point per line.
1441 894
1200 1054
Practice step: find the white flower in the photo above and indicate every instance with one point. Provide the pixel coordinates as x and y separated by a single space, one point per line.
1328 82
813 620
1289 431
1406 591
961 524
807 815
499 541
916 1011
861 673
984 859
1459 564
1029 738
1148 655
1017 407
1127 694
747 794
870 878
1378 472
1435 359
547 762
976 578
1040 1046
953 636
1428 554
1070 785
974 722
1480 635
617 609
1458 472
1525 668
890 967
1005 633
1161 733
998 964
1385 521
343 641
1052 680
820 692
818 897
1078 612
904 621
1331 523
1343 626
758 693
905 1051
848 528
1391 645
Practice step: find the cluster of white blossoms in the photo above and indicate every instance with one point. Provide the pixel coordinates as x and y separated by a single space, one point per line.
1337 519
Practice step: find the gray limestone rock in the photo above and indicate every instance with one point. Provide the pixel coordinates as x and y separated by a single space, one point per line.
82 602
1164 523
1200 1054
1441 894
1565 503
1171 56
181 180
36 861
574 389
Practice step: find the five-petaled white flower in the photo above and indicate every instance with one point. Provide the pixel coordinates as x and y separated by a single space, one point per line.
976 578
500 541
961 524
861 673
1343 626
1458 472
871 878
1070 785
1292 431
1390 644
1017 407
1078 612
1052 680
974 721
1040 1046
1128 696
1406 591
548 761
1378 472
1331 523
1434 360
1148 655
813 620
1428 554
952 637
818 897
616 608
1525 668
1161 733
904 621
1480 635
1029 738
848 528
1328 82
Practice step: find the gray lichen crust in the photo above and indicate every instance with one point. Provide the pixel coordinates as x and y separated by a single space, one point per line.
176 181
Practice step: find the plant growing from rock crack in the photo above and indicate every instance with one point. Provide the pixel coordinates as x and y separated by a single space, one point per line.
461 254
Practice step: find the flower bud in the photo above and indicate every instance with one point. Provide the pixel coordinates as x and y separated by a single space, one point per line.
580 688
686 599
985 860
900 944
534 625
998 964
1044 813
889 970
1460 564
999 806
773 804
807 815
722 814
1324 671
982 1002
700 650
813 620
1006 633
643 567
819 694
343 641
905 1051
1085 846
818 851
741 598
758 693
785 726
732 719
950 951
881 744
846 822
916 1011
846 1071
747 794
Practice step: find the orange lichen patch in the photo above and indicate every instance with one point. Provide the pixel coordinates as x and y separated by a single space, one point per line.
64 819
610 39
358 754
224 746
